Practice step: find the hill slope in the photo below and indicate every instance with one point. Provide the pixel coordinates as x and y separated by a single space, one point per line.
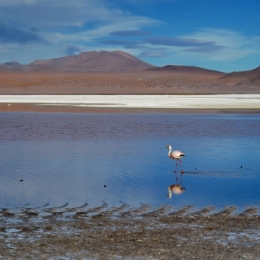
243 74
243 78
185 69
92 61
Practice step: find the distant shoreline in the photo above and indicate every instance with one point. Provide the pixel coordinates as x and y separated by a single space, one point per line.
134 103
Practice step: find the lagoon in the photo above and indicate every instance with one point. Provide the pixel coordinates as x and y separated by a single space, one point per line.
74 158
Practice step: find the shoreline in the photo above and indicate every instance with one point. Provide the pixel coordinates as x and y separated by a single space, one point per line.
245 103
37 108
130 233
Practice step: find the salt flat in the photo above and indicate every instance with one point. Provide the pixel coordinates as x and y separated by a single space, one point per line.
219 101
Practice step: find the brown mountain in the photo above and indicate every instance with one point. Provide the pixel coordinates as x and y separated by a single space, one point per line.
243 78
243 74
251 81
254 79
91 61
185 69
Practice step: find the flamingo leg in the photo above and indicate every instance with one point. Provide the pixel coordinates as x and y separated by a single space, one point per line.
180 180
176 177
181 167
176 166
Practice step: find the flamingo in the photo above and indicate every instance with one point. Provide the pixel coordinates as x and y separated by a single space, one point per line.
176 155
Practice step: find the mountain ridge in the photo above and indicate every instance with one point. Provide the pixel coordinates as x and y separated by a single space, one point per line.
92 61
184 69
119 61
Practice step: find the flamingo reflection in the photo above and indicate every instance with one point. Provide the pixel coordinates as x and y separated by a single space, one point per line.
176 188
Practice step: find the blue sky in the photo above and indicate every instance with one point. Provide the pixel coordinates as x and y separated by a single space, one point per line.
215 34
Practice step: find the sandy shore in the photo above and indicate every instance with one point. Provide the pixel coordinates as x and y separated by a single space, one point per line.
129 233
220 101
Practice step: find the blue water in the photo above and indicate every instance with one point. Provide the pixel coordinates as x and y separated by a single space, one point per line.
57 158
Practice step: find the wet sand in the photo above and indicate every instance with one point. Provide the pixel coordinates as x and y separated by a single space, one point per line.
129 233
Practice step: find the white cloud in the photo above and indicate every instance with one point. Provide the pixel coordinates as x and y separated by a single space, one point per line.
77 23
230 49
236 45
49 13
21 53
115 24
42 14
16 2
153 53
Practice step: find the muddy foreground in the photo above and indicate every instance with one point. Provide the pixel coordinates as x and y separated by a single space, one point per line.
129 233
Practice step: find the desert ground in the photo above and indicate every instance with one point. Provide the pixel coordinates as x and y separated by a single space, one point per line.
139 82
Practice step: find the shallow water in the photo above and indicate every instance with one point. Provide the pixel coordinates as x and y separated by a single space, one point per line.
60 158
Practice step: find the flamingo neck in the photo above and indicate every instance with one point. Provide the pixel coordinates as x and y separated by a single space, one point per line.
170 150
